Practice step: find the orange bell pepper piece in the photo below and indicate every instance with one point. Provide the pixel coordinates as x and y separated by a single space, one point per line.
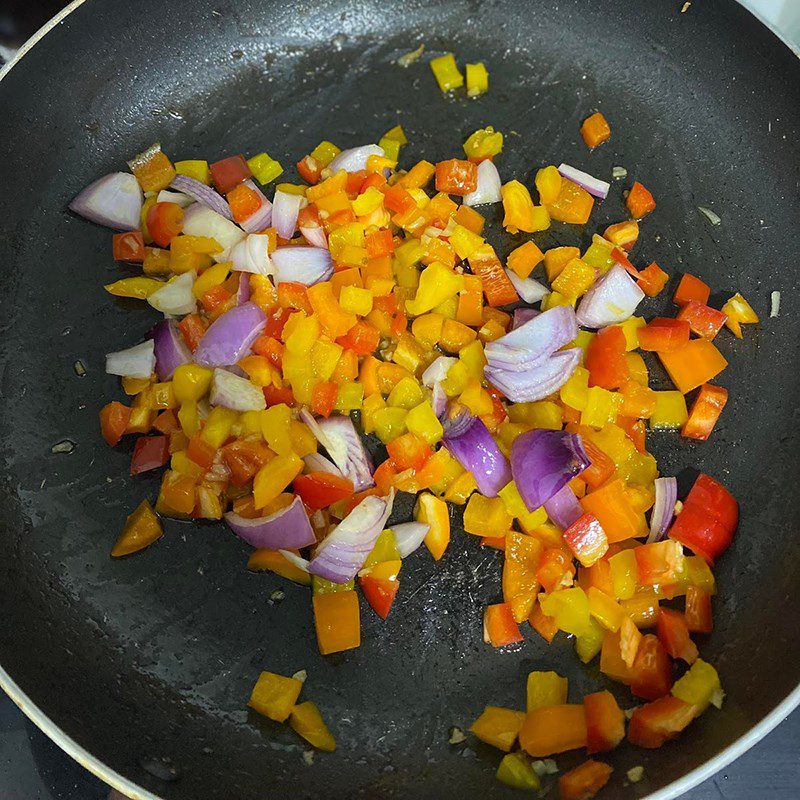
524 259
433 511
639 201
651 673
658 722
623 234
663 335
274 696
691 288
141 529
470 302
498 727
338 621
418 176
520 583
595 130
706 410
703 320
696 363
331 316
499 626
613 509
698 610
276 562
585 781
673 633
114 419
573 204
605 722
456 176
605 358
652 280
598 576
470 219
556 729
295 296
497 287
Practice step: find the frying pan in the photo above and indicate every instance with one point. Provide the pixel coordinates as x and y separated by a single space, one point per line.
141 668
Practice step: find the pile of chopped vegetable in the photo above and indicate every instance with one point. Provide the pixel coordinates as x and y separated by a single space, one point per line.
366 301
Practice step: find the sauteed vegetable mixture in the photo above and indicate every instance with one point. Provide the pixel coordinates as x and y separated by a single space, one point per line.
366 301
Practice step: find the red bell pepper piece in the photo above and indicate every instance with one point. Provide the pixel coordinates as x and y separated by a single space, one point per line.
214 298
201 452
703 320
193 329
164 221
270 348
275 322
587 539
673 633
294 295
408 451
243 202
114 419
128 246
658 722
639 201
499 626
691 288
652 280
362 338
605 722
663 335
635 431
585 781
706 410
244 459
605 359
320 489
166 422
309 169
275 395
618 254
380 594
323 397
456 176
698 610
229 172
149 452
651 673
555 564
708 520
384 476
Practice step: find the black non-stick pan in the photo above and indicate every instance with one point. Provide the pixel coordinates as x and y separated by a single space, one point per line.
145 664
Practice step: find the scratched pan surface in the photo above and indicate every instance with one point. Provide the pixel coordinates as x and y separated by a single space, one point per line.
153 657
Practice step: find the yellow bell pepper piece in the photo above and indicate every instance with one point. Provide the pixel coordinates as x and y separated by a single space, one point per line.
325 152
556 258
275 422
325 356
460 488
307 722
389 423
264 169
427 329
188 418
601 407
624 574
498 727
448 309
250 424
598 254
545 689
180 462
699 687
356 300
274 695
548 184
218 426
484 143
569 608
433 512
274 477
139 288
446 72
630 328
437 283
606 610
407 394
670 411
304 334
589 643
575 392
637 369
458 376
464 241
473 358
477 79
303 441
163 395
199 170
528 520
540 414
409 353
739 311
520 213
367 202
133 386
213 276
369 406
423 421
349 397
486 516
575 279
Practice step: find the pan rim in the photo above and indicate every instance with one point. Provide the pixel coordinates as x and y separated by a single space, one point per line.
135 792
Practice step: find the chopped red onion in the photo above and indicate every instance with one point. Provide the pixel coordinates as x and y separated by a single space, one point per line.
170 348
592 185
252 255
468 440
176 297
263 217
231 391
523 315
316 462
285 208
199 220
663 508
533 341
229 338
342 553
612 300
438 399
340 438
178 198
544 461
203 194
437 371
528 289
315 235
287 528
301 264
243 292
408 536
114 200
540 380
138 361
355 159
488 188
563 508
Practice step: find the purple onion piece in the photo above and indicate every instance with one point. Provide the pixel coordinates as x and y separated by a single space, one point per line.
316 462
523 315
243 292
230 337
355 159
301 264
234 392
539 381
408 536
285 208
528 289
114 200
563 508
469 441
543 462
586 181
315 236
287 529
138 361
203 194
663 508
612 300
488 187
170 348
263 217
